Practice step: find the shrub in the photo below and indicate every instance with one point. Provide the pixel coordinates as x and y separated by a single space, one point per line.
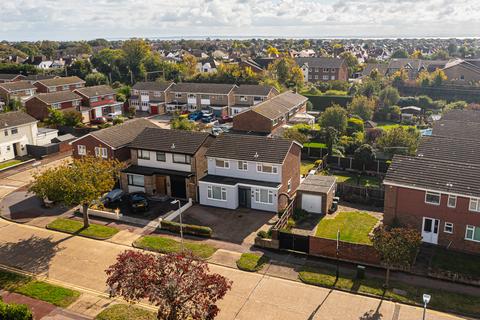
336 93
354 125
195 230
118 120
14 312
407 101
299 215
265 234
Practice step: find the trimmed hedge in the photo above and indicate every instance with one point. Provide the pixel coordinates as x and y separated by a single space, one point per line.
14 312
320 103
191 229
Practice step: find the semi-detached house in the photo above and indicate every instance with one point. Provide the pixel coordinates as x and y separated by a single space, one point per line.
59 84
250 171
98 101
150 96
38 106
16 90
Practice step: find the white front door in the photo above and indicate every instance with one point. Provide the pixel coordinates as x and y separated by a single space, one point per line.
430 230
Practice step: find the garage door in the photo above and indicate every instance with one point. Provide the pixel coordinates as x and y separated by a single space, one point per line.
312 203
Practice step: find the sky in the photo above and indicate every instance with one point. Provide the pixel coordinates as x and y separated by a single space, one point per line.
120 19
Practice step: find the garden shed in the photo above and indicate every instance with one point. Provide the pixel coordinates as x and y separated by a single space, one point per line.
315 194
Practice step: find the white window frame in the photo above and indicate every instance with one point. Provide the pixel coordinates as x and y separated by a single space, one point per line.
141 154
187 158
258 196
450 197
260 168
472 229
448 225
226 163
433 193
476 207
164 156
130 180
325 77
243 98
82 150
223 193
101 152
242 165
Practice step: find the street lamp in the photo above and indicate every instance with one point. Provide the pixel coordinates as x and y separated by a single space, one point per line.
426 300
181 224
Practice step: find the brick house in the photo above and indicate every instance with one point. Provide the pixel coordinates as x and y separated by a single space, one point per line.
7 77
59 84
458 70
251 171
38 105
167 162
110 143
98 101
248 95
321 69
266 117
150 96
17 90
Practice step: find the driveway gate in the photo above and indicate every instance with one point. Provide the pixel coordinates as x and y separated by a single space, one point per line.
295 242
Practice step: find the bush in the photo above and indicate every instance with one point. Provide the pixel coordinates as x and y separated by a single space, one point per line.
354 125
14 312
320 103
191 229
407 101
299 215
118 120
335 93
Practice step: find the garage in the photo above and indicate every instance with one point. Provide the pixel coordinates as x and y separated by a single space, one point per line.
315 193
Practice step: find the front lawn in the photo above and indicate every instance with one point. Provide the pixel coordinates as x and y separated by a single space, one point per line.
125 312
59 296
354 227
9 163
95 231
252 262
167 245
306 166
441 300
355 180
457 262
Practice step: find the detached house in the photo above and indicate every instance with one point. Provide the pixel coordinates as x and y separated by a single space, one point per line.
98 101
167 162
150 96
320 69
248 95
18 90
251 171
59 84
38 106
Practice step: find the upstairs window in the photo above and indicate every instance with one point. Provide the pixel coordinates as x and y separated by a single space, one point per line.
243 98
219 163
14 130
452 201
143 154
66 87
266 168
432 198
474 205
178 95
243 165
161 156
181 158
82 150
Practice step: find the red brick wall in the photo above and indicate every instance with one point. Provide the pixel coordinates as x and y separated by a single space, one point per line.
36 108
290 170
90 143
359 253
251 121
408 207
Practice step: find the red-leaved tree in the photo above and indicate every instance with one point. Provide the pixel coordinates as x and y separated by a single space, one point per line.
179 284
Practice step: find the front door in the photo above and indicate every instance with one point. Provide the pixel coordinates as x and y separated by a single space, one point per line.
161 185
178 186
430 230
244 198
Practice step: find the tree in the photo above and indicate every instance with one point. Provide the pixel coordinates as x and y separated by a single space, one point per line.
362 107
79 183
417 54
296 135
331 138
399 77
438 77
423 78
80 68
272 51
335 117
389 96
400 53
55 117
364 155
440 55
180 285
286 72
110 62
183 124
399 141
397 247
135 51
351 61
190 63
72 118
95 79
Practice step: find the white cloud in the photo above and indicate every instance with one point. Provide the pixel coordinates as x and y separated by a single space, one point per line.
87 19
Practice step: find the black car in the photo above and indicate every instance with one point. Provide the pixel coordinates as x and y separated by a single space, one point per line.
138 201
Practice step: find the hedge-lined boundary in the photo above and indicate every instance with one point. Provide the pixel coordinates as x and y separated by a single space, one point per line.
191 229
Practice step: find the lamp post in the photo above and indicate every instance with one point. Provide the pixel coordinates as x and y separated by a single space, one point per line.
181 224
426 300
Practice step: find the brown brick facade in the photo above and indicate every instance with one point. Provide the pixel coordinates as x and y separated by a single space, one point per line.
352 252
290 171
39 109
90 142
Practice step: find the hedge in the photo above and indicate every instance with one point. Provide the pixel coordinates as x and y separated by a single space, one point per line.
191 229
320 103
14 312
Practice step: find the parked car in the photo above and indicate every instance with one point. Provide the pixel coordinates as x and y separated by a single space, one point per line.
113 115
98 120
113 196
225 119
197 115
207 117
138 201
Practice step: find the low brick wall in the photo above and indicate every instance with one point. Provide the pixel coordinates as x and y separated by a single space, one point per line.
351 252
266 243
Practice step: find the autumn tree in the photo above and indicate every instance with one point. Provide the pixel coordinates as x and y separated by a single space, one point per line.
180 285
286 72
423 78
190 63
397 247
389 96
399 77
399 140
78 183
335 117
362 107
183 124
438 77
272 51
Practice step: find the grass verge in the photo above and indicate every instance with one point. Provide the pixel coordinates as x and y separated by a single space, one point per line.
94 231
167 245
125 312
56 295
10 163
400 292
252 262
457 262
354 227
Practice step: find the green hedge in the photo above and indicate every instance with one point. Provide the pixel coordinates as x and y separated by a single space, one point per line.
187 229
14 312
320 103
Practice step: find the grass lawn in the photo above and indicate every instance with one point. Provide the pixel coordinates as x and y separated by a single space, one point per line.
306 166
457 262
125 312
95 231
316 145
365 181
61 297
9 163
441 300
252 262
385 125
167 245
354 227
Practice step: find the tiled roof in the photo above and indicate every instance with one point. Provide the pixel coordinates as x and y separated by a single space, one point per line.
234 181
449 149
279 105
17 85
60 81
320 62
36 77
15 118
177 141
122 134
457 129
8 76
462 115
436 175
250 148
56 97
152 86
95 91
207 88
254 90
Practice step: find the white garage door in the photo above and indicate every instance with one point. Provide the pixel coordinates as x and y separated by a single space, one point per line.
312 203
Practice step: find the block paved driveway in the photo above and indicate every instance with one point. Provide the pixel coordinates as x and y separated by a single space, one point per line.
81 262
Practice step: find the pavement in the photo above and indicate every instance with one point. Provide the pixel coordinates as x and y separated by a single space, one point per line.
79 263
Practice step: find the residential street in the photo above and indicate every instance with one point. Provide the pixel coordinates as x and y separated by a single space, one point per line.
80 262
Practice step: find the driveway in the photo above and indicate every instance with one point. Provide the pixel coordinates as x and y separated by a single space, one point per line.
238 226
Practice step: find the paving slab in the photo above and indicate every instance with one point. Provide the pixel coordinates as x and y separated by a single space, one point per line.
225 258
